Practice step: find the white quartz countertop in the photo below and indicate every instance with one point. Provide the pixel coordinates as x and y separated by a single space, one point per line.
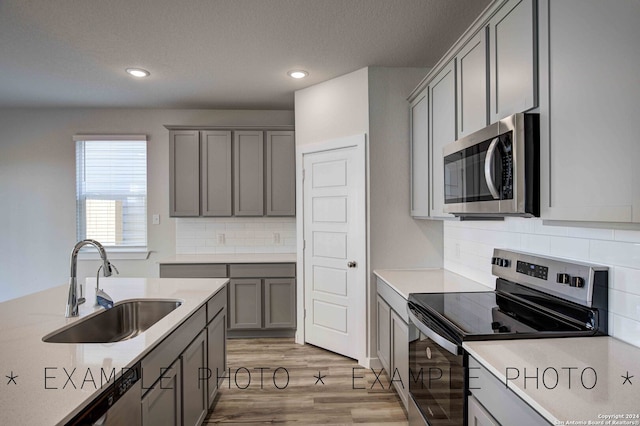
575 360
53 381
405 281
232 258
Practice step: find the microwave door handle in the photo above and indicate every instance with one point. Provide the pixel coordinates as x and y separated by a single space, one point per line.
488 168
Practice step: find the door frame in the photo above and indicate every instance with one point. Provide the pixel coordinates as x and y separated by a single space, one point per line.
358 141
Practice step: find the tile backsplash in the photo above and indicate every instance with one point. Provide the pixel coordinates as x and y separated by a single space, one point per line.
235 235
468 246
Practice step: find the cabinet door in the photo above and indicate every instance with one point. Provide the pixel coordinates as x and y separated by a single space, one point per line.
384 334
419 151
471 65
162 404
195 401
589 146
216 353
248 151
478 416
184 173
400 357
442 130
280 303
513 59
281 174
245 303
216 176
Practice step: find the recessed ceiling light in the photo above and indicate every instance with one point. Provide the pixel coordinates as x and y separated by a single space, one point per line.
138 72
297 74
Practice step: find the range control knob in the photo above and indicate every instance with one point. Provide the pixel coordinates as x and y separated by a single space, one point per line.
494 260
563 278
503 329
505 263
495 325
577 282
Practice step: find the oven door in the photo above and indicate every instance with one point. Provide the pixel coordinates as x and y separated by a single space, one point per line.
437 377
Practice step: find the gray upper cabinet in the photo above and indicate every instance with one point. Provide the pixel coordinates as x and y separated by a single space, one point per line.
281 173
216 173
589 110
472 84
248 149
184 173
442 130
232 172
513 59
419 151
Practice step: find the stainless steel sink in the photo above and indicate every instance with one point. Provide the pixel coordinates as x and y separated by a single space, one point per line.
125 320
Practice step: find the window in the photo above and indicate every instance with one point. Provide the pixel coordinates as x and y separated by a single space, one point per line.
111 190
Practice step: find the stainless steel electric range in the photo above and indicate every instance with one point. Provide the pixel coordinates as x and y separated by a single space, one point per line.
535 297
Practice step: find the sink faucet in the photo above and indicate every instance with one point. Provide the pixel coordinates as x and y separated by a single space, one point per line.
102 298
73 301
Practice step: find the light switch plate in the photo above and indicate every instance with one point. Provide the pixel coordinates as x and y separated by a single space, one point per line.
156 219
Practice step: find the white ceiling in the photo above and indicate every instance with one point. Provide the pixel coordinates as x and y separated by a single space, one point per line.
210 53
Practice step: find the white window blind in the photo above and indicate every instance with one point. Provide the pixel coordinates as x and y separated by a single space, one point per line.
111 189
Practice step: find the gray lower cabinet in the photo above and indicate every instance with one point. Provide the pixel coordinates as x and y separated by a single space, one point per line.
216 353
493 403
261 296
393 338
182 393
195 400
384 333
162 405
262 303
478 416
245 303
400 357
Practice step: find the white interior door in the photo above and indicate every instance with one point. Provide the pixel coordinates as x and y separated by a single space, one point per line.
335 248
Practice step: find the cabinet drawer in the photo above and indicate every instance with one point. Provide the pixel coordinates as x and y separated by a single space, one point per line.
262 270
163 355
193 270
216 303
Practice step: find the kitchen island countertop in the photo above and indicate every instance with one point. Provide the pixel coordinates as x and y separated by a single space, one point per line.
48 383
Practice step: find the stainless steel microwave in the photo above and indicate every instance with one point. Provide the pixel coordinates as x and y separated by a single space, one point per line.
495 172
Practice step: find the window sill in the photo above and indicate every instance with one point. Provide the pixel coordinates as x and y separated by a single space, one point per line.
116 253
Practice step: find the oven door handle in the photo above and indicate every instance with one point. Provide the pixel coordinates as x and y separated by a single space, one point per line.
488 169
445 343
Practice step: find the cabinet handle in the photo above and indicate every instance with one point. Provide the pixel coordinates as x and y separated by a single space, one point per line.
352 264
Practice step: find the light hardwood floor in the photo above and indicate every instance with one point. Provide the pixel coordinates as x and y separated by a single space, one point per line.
350 394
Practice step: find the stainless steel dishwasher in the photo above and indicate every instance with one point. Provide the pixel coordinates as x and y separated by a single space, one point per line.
118 405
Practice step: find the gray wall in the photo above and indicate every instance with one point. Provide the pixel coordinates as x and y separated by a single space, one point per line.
37 186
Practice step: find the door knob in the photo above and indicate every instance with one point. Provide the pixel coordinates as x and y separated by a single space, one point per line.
352 264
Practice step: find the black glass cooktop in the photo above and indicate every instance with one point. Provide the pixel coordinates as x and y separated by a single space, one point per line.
498 315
